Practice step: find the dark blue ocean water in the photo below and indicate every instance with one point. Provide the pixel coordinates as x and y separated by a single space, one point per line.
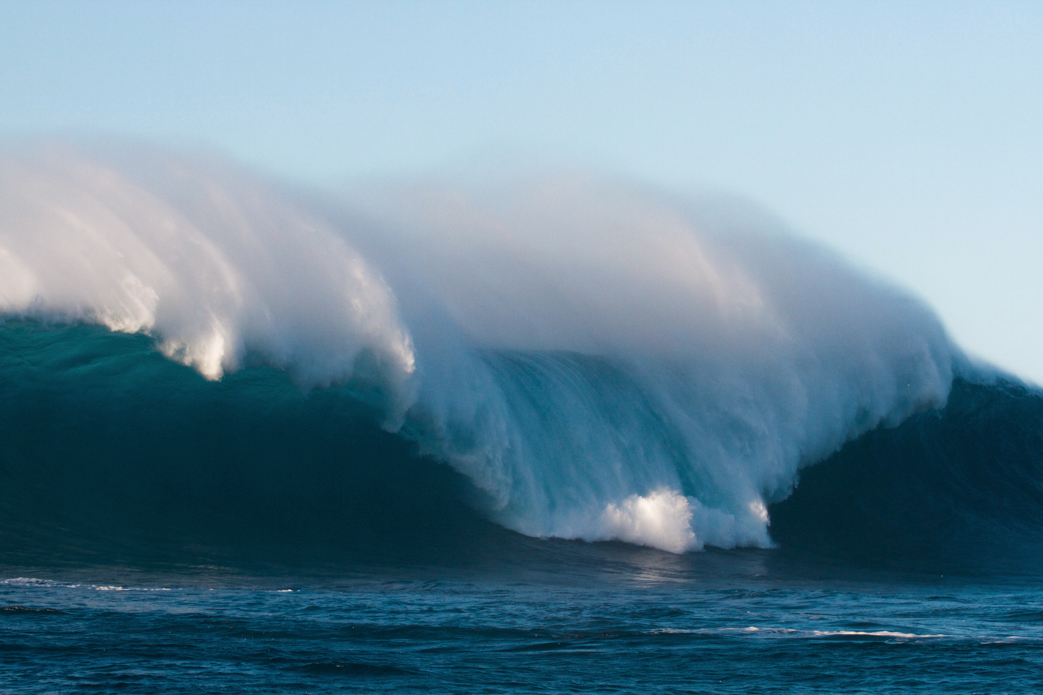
623 620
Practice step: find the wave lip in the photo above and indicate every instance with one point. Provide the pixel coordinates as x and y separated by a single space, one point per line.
214 263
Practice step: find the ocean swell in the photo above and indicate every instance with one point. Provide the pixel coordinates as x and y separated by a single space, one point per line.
599 360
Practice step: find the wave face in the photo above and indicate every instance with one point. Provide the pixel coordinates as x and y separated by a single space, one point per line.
113 453
594 361
959 488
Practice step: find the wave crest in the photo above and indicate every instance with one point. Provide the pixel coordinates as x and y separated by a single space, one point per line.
601 361
214 263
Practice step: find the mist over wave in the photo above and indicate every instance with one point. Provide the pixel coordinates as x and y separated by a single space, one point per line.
600 360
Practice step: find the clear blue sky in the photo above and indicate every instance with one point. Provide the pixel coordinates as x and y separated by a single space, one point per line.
909 135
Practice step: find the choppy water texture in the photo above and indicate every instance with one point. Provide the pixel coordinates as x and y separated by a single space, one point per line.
641 621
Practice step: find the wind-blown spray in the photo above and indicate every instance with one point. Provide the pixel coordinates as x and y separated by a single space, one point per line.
600 360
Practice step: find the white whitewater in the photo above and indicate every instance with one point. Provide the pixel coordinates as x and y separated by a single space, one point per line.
602 361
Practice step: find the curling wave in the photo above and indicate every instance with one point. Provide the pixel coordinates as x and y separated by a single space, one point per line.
598 361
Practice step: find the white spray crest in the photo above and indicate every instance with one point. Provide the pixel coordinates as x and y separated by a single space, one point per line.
638 358
212 262
603 362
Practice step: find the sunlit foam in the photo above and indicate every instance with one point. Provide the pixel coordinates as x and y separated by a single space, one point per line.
661 519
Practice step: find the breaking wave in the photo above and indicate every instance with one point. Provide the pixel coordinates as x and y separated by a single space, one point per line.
591 360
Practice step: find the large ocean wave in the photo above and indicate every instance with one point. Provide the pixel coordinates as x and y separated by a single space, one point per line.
565 356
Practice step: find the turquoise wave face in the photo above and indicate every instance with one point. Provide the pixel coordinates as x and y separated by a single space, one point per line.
110 452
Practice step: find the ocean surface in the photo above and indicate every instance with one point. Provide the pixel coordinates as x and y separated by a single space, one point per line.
559 436
626 621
